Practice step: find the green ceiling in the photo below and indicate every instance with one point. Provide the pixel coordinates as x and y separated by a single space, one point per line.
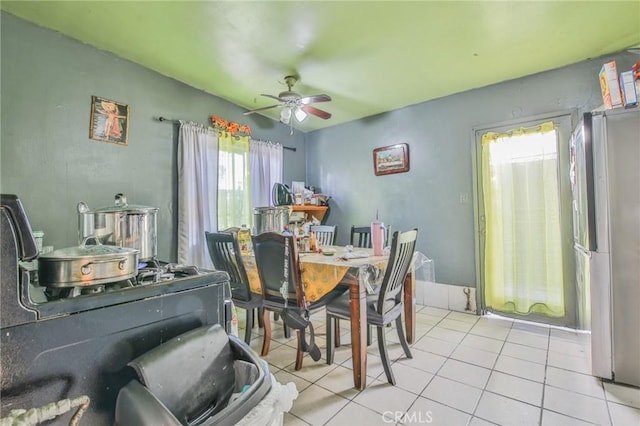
370 57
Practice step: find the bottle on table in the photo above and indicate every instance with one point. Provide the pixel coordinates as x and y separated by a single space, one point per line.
244 240
313 242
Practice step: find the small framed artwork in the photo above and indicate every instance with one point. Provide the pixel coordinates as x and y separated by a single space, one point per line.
109 121
391 159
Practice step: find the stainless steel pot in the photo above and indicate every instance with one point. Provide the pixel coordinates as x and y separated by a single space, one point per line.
121 225
87 265
270 219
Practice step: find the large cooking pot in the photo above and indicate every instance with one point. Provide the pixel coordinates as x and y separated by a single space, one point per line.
121 225
87 265
270 219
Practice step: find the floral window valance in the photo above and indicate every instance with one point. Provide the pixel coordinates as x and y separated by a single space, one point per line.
229 126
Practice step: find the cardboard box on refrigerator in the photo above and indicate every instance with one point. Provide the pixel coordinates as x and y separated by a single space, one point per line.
628 86
609 85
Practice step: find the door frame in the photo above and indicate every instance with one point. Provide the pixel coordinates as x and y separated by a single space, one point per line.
565 122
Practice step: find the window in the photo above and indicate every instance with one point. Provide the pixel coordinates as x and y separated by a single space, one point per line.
234 190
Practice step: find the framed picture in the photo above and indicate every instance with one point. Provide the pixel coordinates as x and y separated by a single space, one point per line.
109 121
391 159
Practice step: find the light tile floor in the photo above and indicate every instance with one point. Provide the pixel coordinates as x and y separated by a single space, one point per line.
465 370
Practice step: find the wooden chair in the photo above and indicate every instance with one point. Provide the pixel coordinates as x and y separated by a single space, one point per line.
361 236
225 255
325 234
386 305
269 251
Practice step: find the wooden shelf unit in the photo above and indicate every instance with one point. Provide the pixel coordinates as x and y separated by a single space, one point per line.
318 211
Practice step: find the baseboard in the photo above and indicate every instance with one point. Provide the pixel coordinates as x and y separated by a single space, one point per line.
446 296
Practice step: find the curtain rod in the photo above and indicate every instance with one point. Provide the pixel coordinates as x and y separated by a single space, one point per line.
178 122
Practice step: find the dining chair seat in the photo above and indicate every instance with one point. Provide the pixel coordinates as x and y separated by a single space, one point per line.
224 251
384 307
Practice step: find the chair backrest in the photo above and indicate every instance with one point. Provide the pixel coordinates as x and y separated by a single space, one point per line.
361 236
225 255
403 246
269 251
325 234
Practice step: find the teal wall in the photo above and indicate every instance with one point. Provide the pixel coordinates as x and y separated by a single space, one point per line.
47 158
436 195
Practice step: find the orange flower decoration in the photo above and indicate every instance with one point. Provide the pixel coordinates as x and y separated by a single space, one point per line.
229 126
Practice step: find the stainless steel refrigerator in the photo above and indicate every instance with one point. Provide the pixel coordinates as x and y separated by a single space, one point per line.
605 181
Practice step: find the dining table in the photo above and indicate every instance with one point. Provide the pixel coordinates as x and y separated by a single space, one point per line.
360 270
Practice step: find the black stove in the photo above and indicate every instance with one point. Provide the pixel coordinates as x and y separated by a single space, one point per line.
78 341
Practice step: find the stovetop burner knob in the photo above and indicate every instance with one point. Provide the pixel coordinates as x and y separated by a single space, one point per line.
122 265
86 270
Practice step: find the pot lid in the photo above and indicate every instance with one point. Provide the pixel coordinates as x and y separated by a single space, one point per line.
98 250
120 205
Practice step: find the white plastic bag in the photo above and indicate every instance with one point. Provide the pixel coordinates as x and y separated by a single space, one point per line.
270 411
422 268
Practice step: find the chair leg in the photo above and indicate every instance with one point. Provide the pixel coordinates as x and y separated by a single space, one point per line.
260 321
382 347
401 336
285 327
336 330
330 338
299 353
248 326
266 339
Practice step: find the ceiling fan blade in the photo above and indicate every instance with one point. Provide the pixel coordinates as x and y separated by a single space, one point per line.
315 111
315 98
273 97
261 109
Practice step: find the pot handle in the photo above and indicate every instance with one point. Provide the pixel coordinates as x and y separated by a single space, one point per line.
121 200
93 238
83 207
86 270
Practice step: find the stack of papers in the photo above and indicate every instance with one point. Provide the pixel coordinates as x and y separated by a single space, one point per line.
356 255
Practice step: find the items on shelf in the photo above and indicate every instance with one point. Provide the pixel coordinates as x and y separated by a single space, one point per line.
610 86
619 89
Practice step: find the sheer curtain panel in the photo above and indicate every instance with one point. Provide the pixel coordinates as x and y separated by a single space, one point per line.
266 170
234 194
523 251
197 192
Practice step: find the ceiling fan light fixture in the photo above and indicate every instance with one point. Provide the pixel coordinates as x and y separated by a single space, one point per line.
300 114
285 115
293 104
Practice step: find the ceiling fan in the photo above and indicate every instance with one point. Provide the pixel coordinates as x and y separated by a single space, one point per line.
294 104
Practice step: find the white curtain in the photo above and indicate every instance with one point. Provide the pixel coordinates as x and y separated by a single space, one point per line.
197 192
266 169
